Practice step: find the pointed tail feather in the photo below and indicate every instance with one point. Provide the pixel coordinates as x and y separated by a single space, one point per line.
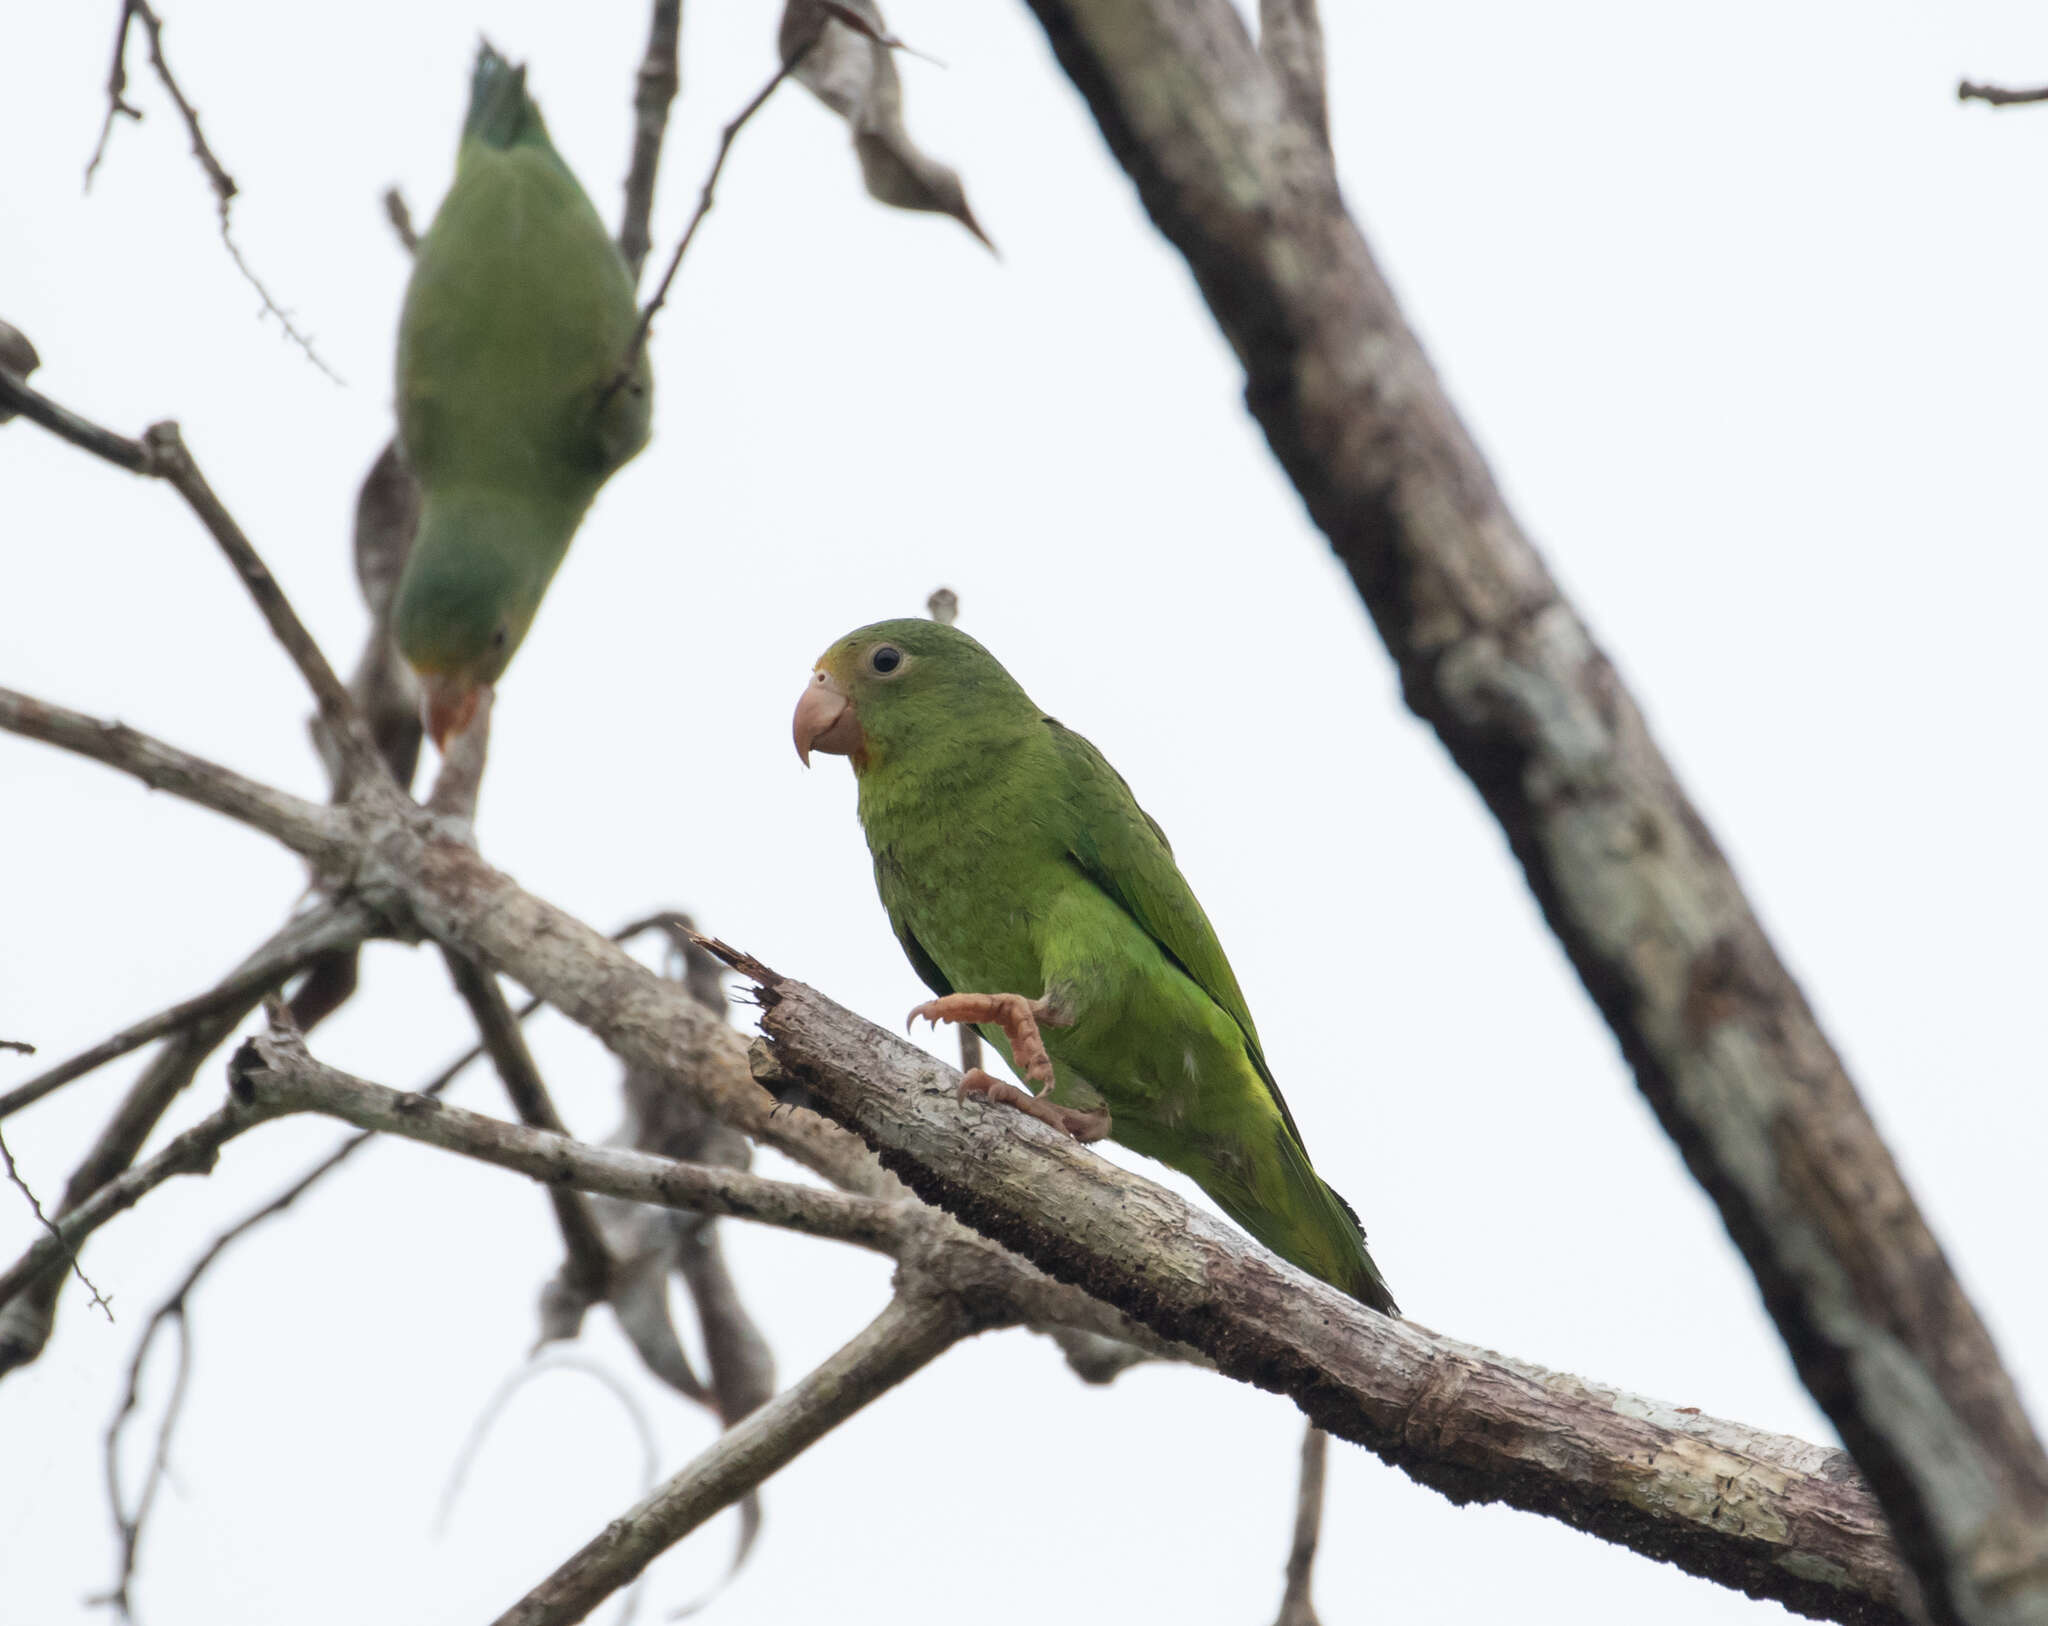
501 114
1301 1219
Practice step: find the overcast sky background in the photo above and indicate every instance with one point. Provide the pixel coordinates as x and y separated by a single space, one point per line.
1745 310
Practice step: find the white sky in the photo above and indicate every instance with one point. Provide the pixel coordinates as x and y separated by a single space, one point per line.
1747 313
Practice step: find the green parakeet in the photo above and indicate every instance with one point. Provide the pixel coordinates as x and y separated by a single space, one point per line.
1040 903
516 323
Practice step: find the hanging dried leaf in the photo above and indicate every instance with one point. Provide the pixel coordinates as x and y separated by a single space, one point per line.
850 70
18 356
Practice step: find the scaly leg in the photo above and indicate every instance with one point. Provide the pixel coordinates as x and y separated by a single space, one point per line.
1083 1126
1013 1013
1019 1018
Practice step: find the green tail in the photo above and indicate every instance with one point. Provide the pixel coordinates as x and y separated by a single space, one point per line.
501 114
1294 1213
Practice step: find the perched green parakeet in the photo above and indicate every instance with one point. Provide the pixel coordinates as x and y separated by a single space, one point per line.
1040 903
516 324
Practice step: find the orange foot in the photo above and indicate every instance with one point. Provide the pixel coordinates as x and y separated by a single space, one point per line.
1083 1126
1013 1013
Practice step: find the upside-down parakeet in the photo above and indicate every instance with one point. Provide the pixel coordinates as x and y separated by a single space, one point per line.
512 411
1040 903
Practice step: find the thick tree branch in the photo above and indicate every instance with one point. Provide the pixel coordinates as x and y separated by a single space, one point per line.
1493 657
655 87
1770 1516
276 1072
913 1330
309 829
1291 41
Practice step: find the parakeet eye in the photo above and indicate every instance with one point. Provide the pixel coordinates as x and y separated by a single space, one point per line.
885 659
500 638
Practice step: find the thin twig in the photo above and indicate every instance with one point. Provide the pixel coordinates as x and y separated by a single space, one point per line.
193 1152
1969 92
912 1331
20 396
20 1045
590 1259
177 1306
400 216
494 1408
171 461
44 1220
118 105
655 87
255 977
704 201
1297 1608
162 453
217 176
129 1526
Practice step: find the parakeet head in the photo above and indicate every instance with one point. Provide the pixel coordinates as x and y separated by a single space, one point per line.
467 597
881 693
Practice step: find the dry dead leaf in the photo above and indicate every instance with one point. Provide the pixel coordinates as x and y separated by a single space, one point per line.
850 69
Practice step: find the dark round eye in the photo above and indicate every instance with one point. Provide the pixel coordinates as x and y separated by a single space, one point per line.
886 658
499 638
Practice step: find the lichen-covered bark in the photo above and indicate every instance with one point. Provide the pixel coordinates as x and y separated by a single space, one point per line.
1493 657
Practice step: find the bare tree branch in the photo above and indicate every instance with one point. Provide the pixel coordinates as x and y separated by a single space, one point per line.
704 201
655 87
170 461
217 177
35 1205
1291 41
277 1073
128 1526
1297 1608
162 454
590 1261
316 832
26 1318
193 1152
400 216
1969 92
269 968
913 1330
118 105
1774 1517
1770 1516
18 396
1491 654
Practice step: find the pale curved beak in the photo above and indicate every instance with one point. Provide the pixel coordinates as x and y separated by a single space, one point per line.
446 705
825 720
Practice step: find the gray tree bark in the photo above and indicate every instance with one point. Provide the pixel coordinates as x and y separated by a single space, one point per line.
1492 656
